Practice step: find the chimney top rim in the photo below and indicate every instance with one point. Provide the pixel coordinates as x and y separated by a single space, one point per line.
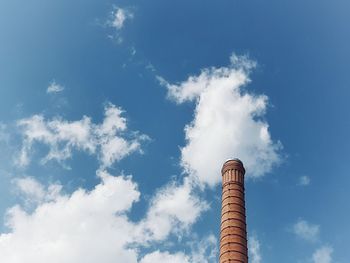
233 159
234 162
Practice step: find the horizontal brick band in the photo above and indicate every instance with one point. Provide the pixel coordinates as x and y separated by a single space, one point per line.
234 183
234 204
232 211
233 238
235 251
240 244
229 191
233 197
232 207
233 228
233 260
229 235
237 221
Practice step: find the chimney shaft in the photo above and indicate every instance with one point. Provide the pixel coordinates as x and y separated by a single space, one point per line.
233 234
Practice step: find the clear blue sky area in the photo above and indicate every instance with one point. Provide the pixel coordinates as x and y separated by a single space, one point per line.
302 50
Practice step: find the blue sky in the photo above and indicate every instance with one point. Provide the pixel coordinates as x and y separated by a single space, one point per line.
96 162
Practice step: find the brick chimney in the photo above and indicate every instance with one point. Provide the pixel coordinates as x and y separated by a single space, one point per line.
233 233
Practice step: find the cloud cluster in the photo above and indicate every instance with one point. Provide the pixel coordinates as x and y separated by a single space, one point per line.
91 226
311 232
87 226
228 122
110 140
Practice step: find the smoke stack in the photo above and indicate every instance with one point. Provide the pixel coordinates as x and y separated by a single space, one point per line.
233 233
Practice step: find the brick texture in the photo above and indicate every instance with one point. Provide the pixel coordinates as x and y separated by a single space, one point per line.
233 234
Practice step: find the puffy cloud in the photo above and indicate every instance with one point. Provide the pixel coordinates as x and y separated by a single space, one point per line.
108 140
54 87
173 209
85 226
254 249
227 122
323 255
306 230
89 226
304 180
119 16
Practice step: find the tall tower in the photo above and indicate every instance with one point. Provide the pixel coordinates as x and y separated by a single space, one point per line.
233 233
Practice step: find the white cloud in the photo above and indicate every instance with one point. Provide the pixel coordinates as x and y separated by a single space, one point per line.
90 226
86 226
30 187
119 16
323 255
165 257
227 122
22 158
54 87
203 251
304 180
35 192
173 210
306 230
254 250
311 232
108 140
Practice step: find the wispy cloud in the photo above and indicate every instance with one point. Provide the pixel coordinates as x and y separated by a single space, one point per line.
117 20
304 180
109 140
254 249
323 255
311 232
54 87
119 17
34 192
4 134
165 257
306 230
